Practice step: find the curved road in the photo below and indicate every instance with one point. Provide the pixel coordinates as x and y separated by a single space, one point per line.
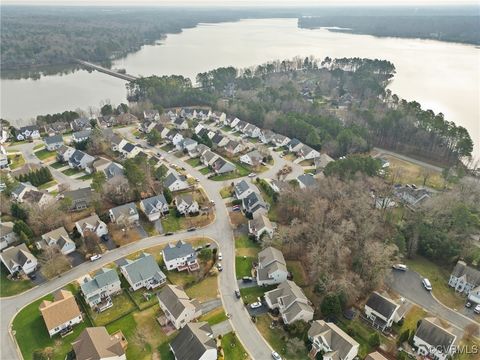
220 230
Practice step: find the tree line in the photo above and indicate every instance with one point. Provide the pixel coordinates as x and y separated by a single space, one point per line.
36 177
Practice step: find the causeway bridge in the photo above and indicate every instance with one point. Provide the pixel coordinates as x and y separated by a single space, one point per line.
110 72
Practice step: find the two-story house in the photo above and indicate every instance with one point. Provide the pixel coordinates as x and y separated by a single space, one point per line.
434 341
91 224
186 204
80 198
194 342
82 123
464 278
81 160
253 204
243 188
259 226
81 136
175 182
95 343
272 267
53 143
28 132
7 235
381 311
58 238
181 256
334 344
143 272
178 308
60 314
154 207
253 158
18 259
98 290
124 214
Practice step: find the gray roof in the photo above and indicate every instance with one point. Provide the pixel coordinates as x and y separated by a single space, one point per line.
462 269
433 334
151 204
270 255
188 198
18 190
55 139
171 178
126 210
143 268
294 142
174 299
128 147
79 194
339 341
102 277
293 299
192 341
242 186
253 202
217 138
82 134
16 255
113 169
322 160
179 250
306 179
382 305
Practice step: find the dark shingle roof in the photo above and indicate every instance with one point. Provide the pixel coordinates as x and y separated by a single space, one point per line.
434 335
55 139
192 341
381 304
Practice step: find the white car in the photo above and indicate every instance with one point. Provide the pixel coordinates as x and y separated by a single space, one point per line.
219 257
252 175
426 284
95 257
400 267
477 309
255 305
275 356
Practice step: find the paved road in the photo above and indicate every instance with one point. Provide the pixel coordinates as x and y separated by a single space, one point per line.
409 159
408 284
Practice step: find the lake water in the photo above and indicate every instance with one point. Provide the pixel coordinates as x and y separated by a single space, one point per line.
440 76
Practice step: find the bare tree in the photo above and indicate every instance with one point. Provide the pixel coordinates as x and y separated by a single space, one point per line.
53 262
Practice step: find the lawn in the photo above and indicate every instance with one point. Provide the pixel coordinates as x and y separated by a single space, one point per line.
86 177
439 277
180 278
167 147
204 170
16 160
298 272
122 305
240 172
214 317
70 171
278 338
243 266
57 165
308 162
194 162
31 333
142 301
243 241
362 334
170 222
310 171
232 348
47 185
411 319
45 154
251 294
226 192
9 287
206 289
38 146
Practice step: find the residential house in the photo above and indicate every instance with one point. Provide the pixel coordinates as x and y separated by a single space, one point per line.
260 225
233 123
266 136
253 158
91 224
154 207
175 182
181 256
243 188
272 267
147 126
306 180
124 214
80 136
143 272
174 136
28 132
252 131
294 145
322 161
188 113
253 204
187 144
58 238
464 278
118 143
178 308
126 119
64 153
334 344
194 342
279 140
81 160
203 114
129 150
198 128
19 259
20 190
80 124
220 140
290 300
152 115
180 123
433 340
222 166
307 153
61 313
412 196
7 235
474 295
80 198
53 143
375 356
3 158
106 121
98 290
95 343
208 158
186 204
37 198
241 125
4 134
203 133
218 117
58 127
109 168
381 311
234 147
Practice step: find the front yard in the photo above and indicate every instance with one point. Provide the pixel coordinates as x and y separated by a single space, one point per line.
173 223
232 348
44 154
70 171
243 266
194 162
15 161
214 317
251 294
12 287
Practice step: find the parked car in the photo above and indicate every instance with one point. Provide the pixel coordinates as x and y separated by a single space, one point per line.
426 284
252 175
192 229
275 356
105 237
95 257
219 257
207 245
477 309
247 279
196 180
219 267
237 294
468 304
255 305
400 267
169 233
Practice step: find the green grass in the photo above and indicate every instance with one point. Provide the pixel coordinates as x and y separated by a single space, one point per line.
243 266
214 317
122 304
141 301
204 170
31 333
86 177
310 171
70 171
47 185
167 147
226 192
9 287
362 334
194 162
16 161
44 154
243 241
298 272
181 278
232 348
204 290
38 146
170 222
57 165
251 294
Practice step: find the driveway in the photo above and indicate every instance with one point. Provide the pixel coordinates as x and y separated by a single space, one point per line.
76 258
409 285
210 305
221 329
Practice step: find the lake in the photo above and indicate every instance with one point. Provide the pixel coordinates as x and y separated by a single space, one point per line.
444 77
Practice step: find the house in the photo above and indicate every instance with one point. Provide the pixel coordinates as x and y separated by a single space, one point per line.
175 182
3 158
124 214
143 272
186 205
290 300
106 121
474 295
181 256
28 132
126 119
152 115
81 160
234 147
266 136
253 204
328 339
412 196
294 145
37 198
91 224
202 114
7 236
194 342
219 140
252 131
208 158
188 113
59 238
154 207
187 144
4 134
64 153
80 198
272 267
260 225
95 343
198 128
20 190
118 143
464 278
61 313
80 136
233 124
180 123
307 153
19 259
241 125
243 188
109 168
178 308
129 151
174 136
433 340
253 158
53 143
322 161
222 166
218 117
98 290
279 140
80 124
147 126
306 180
375 356
381 311
58 127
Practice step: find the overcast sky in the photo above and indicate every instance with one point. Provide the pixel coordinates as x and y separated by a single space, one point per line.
243 2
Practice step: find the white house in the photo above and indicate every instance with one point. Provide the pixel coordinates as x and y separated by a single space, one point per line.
253 158
187 144
178 308
195 342
307 153
154 207
53 143
61 313
218 117
80 136
185 204
222 166
180 123
143 272
294 145
234 122
64 153
381 311
243 188
124 214
175 182
252 131
464 278
260 225
129 151
272 267
19 259
98 290
152 115
432 340
7 236
181 256
331 341
81 160
234 147
28 132
59 238
80 124
91 224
